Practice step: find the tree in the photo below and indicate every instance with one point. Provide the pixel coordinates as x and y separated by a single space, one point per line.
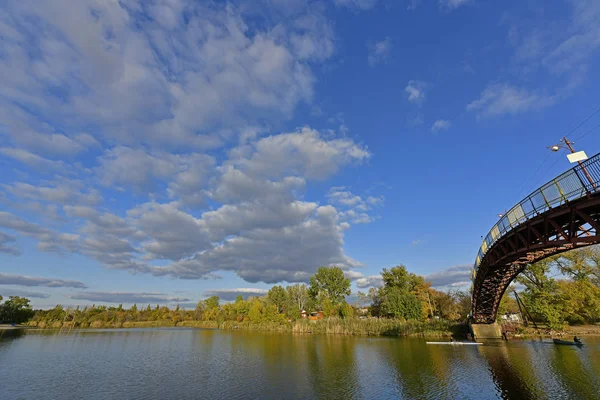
404 294
277 296
298 296
400 303
212 302
15 310
330 282
541 295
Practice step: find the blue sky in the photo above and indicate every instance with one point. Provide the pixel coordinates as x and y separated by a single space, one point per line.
165 151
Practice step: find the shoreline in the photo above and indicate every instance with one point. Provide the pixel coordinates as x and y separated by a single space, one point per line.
332 326
365 328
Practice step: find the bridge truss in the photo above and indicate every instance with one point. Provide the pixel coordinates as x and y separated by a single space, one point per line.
561 215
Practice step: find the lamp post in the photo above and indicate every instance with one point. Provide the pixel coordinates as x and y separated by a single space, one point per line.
568 145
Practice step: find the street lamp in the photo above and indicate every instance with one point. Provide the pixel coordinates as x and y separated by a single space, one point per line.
574 156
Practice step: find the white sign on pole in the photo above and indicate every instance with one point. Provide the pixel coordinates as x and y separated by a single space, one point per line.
579 156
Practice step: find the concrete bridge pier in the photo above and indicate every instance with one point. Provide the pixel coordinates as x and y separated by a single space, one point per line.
486 331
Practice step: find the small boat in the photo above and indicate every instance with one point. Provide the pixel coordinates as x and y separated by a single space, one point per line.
457 343
567 342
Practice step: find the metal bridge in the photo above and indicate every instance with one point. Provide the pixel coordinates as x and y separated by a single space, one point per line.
561 215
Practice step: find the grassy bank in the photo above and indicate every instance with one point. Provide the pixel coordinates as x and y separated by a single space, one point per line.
337 326
355 326
544 331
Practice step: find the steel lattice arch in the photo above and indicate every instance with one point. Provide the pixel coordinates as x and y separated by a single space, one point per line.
561 215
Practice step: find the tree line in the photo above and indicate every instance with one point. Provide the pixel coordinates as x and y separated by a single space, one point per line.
563 289
404 296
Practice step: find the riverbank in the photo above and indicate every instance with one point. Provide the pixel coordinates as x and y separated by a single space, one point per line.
541 331
334 326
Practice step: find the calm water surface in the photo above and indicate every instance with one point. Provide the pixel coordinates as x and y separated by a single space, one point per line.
209 364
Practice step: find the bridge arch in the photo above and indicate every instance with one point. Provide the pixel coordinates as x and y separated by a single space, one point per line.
562 215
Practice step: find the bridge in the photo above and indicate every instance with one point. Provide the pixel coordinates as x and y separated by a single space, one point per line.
561 215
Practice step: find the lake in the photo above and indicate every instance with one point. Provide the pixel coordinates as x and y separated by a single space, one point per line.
181 363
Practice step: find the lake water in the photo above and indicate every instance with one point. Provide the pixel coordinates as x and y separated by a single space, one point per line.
210 364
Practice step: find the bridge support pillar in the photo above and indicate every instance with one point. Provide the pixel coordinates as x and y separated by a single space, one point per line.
486 331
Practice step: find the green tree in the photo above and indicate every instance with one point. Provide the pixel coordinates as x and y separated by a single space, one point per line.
330 282
400 303
404 294
541 295
278 297
15 310
298 296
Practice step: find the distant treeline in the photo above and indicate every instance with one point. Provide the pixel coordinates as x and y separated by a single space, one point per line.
403 297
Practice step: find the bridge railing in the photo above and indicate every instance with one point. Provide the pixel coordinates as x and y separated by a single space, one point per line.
571 185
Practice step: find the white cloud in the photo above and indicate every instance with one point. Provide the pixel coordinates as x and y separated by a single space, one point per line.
440 125
157 74
302 153
140 101
354 208
369 281
142 171
453 4
356 4
501 99
379 51
416 91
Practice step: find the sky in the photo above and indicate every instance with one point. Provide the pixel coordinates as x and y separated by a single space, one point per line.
165 151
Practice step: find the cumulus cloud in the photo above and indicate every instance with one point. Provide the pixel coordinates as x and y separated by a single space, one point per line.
440 125
232 294
22 280
305 153
379 51
141 171
128 297
458 276
188 70
354 209
500 99
170 171
416 91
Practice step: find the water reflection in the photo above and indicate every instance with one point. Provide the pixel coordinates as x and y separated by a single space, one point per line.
154 364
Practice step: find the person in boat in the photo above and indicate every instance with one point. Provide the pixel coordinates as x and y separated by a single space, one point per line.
576 339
